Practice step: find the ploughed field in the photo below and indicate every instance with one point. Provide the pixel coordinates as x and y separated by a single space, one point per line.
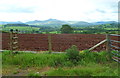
60 42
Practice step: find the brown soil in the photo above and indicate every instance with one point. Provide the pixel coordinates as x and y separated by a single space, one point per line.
60 42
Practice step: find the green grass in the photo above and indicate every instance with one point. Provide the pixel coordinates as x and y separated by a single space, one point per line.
1 27
33 74
29 59
90 64
111 28
25 28
89 70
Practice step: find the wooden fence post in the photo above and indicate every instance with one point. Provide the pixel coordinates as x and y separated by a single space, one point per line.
49 43
13 41
108 45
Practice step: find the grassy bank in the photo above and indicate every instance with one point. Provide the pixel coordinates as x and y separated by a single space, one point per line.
89 64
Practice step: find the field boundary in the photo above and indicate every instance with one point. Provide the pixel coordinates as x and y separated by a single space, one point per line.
115 56
110 46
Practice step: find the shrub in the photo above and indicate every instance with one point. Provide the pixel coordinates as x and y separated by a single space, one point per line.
73 53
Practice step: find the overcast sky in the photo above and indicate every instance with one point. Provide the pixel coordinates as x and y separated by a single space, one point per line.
72 10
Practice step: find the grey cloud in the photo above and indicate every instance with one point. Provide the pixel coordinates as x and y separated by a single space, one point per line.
99 10
116 11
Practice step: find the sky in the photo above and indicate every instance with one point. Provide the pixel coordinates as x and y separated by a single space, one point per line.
67 10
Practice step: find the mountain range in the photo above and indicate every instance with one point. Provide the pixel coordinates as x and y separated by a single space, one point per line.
59 23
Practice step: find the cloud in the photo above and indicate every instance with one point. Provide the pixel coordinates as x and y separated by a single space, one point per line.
12 9
99 10
80 10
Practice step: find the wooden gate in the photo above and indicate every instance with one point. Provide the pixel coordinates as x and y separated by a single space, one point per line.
115 50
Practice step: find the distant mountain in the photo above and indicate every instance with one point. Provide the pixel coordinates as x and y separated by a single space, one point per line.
51 20
72 22
81 24
36 22
3 22
54 22
46 22
23 25
59 23
104 22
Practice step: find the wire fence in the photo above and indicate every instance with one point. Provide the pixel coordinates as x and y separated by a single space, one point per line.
110 47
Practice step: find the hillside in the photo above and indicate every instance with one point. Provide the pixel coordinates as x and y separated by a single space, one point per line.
54 25
59 23
49 22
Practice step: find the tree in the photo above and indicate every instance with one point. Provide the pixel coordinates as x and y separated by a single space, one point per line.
66 29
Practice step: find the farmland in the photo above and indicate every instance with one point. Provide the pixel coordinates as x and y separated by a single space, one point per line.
111 27
41 63
60 42
59 38
21 29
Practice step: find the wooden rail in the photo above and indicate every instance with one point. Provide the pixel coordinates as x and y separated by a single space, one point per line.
115 41
97 45
115 56
114 35
109 47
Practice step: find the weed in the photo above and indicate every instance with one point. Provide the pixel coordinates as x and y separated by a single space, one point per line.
73 53
33 74
16 72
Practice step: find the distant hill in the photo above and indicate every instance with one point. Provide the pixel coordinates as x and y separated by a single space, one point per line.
16 25
49 22
107 25
104 22
57 23
81 24
35 22
3 22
